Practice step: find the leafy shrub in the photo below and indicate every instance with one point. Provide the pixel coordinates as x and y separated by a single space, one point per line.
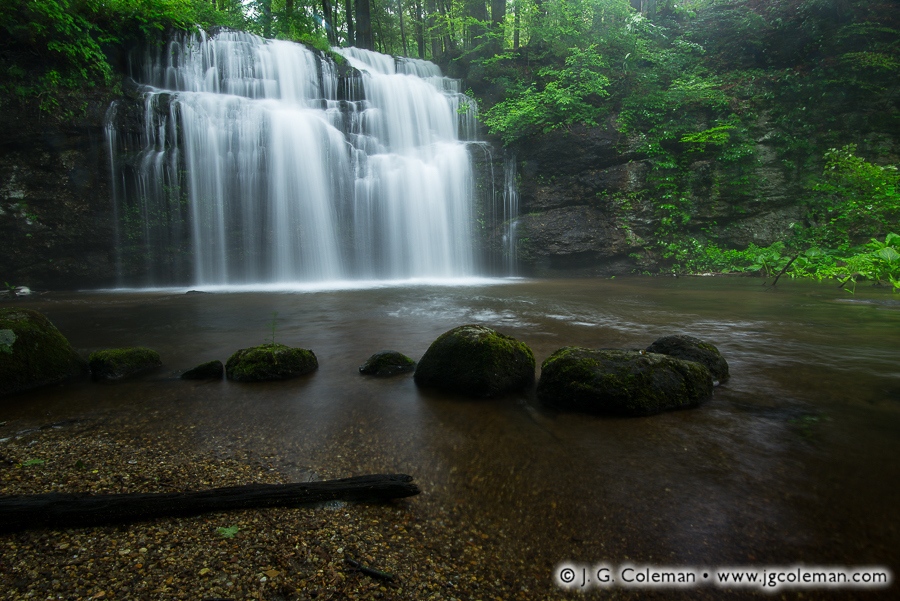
569 95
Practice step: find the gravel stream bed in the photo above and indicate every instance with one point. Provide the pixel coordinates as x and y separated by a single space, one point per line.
275 553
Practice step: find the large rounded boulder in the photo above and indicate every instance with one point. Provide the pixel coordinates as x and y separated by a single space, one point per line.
693 349
476 361
618 382
270 362
115 364
33 352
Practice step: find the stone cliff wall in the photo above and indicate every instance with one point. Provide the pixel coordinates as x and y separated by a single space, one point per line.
588 205
56 225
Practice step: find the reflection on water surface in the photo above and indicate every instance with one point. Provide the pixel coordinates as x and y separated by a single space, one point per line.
793 460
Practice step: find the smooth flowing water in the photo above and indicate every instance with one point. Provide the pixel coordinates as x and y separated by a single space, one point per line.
257 162
794 460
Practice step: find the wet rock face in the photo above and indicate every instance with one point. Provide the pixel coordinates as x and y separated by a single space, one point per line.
33 352
56 222
693 349
270 362
619 382
115 364
387 363
476 361
573 238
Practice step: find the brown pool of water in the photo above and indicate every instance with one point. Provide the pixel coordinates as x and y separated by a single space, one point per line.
793 461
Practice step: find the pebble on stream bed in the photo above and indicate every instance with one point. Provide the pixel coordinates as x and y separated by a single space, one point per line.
276 553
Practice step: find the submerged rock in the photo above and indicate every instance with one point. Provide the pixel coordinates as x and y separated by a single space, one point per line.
270 362
618 382
33 352
476 361
211 370
115 364
387 363
693 349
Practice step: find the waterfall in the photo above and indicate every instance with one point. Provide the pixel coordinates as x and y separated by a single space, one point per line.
510 211
261 161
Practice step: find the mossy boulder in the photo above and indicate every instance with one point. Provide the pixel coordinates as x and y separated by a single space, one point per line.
387 363
618 382
476 361
270 362
693 349
211 370
33 352
115 364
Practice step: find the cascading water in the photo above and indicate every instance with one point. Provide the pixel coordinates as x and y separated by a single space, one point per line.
257 162
510 212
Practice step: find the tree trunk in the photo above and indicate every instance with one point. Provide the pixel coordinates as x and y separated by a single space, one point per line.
498 19
402 31
364 37
477 9
449 40
329 22
516 26
431 21
351 34
420 28
62 510
267 18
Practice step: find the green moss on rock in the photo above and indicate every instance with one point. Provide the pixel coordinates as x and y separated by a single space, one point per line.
211 370
618 382
115 364
689 348
33 352
476 361
387 363
270 362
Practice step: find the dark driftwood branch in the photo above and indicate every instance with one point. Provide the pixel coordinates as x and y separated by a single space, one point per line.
785 268
75 510
358 567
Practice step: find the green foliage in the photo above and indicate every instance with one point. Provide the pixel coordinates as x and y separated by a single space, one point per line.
568 96
272 324
228 532
877 261
716 136
54 46
857 199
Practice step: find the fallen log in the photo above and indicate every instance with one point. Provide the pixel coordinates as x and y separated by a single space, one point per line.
70 510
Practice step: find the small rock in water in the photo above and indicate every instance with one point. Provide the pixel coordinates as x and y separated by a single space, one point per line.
270 362
387 363
211 370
